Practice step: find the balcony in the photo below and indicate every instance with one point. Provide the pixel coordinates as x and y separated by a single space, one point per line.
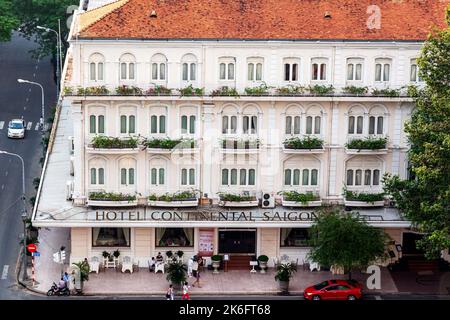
363 199
229 200
169 146
239 146
306 145
294 199
366 146
111 199
176 200
112 145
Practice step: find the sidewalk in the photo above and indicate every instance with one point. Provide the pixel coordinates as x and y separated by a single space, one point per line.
235 282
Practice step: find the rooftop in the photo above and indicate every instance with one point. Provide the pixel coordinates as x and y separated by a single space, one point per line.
405 20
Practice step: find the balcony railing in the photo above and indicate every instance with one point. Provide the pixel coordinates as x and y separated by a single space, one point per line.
367 145
369 198
289 90
179 199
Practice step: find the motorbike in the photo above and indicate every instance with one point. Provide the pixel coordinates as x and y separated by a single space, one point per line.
55 290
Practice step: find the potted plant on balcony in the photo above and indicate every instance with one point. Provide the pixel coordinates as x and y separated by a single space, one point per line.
176 274
284 274
216 262
262 259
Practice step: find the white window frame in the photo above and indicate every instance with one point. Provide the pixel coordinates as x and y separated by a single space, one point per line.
252 75
383 62
157 62
227 61
97 61
129 61
413 62
238 185
97 124
321 76
291 62
188 176
354 62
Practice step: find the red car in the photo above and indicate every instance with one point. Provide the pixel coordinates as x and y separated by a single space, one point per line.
334 290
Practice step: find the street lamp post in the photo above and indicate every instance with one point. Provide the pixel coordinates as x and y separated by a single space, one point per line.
58 57
24 214
42 91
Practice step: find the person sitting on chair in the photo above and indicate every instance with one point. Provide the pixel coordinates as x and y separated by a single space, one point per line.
159 257
151 264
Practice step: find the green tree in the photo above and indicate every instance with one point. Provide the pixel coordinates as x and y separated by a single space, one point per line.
425 197
344 240
8 21
33 13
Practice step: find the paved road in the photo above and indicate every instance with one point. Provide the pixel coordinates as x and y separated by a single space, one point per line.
18 100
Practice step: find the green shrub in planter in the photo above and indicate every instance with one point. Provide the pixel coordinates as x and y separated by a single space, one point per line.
216 257
299 197
263 258
369 143
305 143
363 196
285 272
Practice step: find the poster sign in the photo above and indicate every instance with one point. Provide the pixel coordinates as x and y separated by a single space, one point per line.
205 242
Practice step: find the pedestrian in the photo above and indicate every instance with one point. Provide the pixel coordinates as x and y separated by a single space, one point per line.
194 266
185 291
169 293
190 264
197 279
66 279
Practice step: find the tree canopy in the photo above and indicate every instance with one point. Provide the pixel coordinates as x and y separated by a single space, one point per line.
343 239
8 20
425 197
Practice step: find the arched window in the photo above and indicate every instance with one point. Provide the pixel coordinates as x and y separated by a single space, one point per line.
159 67
354 69
226 68
382 69
255 69
291 69
96 67
319 69
189 68
96 124
127 67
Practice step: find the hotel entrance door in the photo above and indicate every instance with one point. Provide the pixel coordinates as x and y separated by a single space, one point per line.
240 241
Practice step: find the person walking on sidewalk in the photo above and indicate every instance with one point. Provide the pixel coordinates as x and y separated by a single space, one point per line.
197 279
185 291
169 294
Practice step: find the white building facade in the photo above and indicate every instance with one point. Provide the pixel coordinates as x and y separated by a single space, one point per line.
232 150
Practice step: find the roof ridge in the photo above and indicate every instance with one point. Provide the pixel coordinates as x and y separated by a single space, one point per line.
114 4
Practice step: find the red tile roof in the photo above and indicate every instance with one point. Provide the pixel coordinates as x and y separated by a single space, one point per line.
268 19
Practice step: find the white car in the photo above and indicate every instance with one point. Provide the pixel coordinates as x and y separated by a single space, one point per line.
16 129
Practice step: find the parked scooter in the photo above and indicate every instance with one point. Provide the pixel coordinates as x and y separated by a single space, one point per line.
55 290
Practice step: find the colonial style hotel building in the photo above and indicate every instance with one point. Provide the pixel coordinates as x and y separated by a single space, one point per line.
211 125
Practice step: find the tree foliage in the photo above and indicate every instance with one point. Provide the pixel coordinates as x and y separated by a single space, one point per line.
425 198
8 21
342 239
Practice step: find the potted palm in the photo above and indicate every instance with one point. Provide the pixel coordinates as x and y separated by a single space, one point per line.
263 259
216 262
83 271
176 274
284 274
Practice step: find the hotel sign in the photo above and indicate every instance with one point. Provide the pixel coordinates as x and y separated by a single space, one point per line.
204 215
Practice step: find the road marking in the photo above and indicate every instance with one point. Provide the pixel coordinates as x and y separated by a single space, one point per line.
5 271
29 124
6 173
29 90
378 298
2 123
34 74
24 108
3 186
36 128
28 99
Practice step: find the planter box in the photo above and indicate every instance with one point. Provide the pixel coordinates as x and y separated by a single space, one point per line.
316 203
112 151
352 203
302 151
366 151
253 203
176 204
106 203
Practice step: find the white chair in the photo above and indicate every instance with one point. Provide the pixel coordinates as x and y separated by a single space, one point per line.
127 264
94 264
159 266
